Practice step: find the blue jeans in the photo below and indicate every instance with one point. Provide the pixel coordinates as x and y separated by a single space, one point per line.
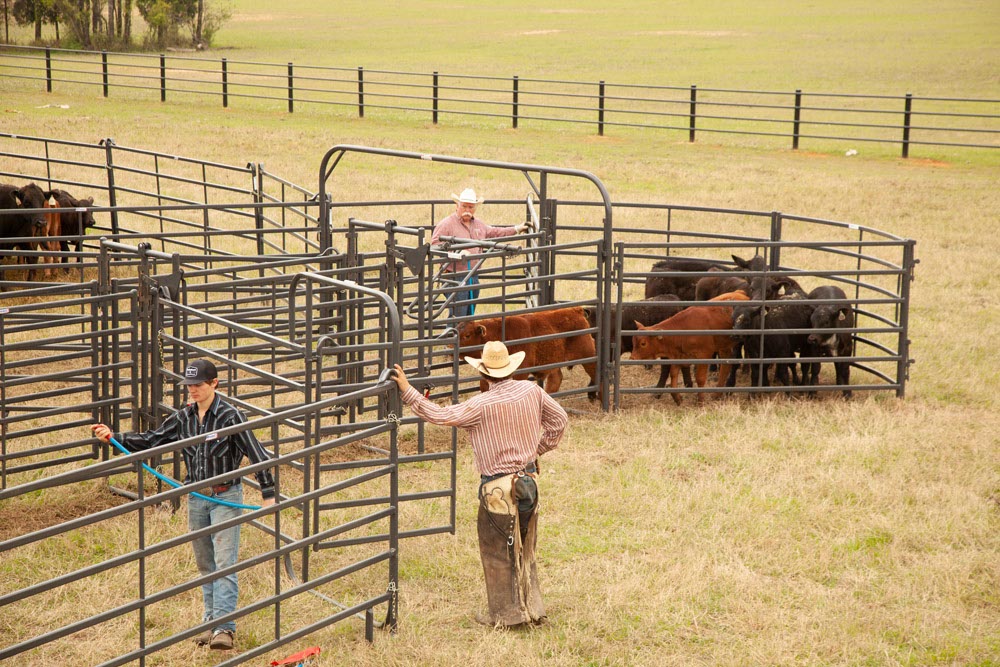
217 551
469 308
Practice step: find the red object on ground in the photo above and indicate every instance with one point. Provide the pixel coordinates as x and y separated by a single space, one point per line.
296 658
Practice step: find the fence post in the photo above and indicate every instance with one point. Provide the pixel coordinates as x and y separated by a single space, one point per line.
291 89
361 92
693 114
906 125
434 113
775 262
600 109
225 84
163 78
795 125
903 365
515 101
109 166
104 71
48 69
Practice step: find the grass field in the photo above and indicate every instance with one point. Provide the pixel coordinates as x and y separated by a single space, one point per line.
764 532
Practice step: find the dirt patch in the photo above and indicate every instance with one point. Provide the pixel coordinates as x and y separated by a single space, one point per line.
21 516
925 162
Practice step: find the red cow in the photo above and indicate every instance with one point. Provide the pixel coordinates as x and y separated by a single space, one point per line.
695 346
67 223
514 328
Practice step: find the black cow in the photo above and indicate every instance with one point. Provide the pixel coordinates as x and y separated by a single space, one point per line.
785 313
25 226
684 286
832 343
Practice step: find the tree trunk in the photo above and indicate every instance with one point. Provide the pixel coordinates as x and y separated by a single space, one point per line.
6 24
82 6
111 19
38 24
127 19
95 16
199 23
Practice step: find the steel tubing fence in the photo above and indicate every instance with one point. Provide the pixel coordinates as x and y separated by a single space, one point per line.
780 118
304 302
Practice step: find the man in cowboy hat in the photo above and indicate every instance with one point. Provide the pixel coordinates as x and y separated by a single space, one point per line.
464 224
510 426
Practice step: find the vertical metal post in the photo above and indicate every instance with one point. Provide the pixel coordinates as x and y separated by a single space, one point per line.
776 237
903 366
434 100
906 125
109 166
225 84
163 78
515 102
600 109
692 113
48 70
104 70
361 92
291 89
795 125
257 179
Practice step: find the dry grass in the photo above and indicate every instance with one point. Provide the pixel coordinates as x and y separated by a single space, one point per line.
763 532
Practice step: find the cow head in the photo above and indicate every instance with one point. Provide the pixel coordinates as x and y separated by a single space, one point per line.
471 333
746 317
641 345
32 196
828 317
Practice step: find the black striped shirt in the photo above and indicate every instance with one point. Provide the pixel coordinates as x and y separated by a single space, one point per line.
214 456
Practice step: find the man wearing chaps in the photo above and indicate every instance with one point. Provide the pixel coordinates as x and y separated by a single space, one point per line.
510 426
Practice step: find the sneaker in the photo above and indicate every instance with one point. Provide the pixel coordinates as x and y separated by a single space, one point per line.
222 640
203 639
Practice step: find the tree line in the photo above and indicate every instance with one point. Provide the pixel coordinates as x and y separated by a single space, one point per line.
107 24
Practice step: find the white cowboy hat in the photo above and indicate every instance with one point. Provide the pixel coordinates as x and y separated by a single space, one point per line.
468 196
496 362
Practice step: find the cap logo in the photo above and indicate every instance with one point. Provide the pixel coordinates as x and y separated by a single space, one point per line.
191 372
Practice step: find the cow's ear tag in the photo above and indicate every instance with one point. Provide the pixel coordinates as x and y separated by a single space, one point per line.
842 316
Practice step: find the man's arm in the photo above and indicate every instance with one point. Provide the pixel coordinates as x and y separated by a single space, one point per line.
554 420
248 442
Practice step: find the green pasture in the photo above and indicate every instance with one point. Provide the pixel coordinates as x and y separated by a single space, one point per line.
771 531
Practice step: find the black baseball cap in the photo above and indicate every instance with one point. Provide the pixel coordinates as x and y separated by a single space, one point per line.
198 371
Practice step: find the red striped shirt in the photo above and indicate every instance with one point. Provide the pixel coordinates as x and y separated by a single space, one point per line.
510 425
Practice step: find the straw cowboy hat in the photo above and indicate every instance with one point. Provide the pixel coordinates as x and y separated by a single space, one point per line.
496 362
468 196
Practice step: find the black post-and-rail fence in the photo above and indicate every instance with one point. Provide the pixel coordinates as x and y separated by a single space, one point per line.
789 118
304 302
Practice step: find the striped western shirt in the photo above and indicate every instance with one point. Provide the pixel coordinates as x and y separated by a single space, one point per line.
476 230
510 425
212 457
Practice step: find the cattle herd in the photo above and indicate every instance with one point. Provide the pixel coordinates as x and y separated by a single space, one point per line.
30 232
778 321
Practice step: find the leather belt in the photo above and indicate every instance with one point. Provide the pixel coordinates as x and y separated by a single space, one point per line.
218 488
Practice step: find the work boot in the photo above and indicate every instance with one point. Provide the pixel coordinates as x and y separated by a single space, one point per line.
222 640
203 639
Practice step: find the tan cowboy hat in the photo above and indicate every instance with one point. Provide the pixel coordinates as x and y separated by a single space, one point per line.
468 196
496 362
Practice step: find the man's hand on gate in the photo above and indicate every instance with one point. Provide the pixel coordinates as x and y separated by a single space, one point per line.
400 377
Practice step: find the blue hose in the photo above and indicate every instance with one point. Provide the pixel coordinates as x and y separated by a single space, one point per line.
177 484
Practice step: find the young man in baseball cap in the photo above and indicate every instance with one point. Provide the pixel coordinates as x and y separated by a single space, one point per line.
207 413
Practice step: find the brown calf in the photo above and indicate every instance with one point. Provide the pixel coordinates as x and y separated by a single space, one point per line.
538 353
694 346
